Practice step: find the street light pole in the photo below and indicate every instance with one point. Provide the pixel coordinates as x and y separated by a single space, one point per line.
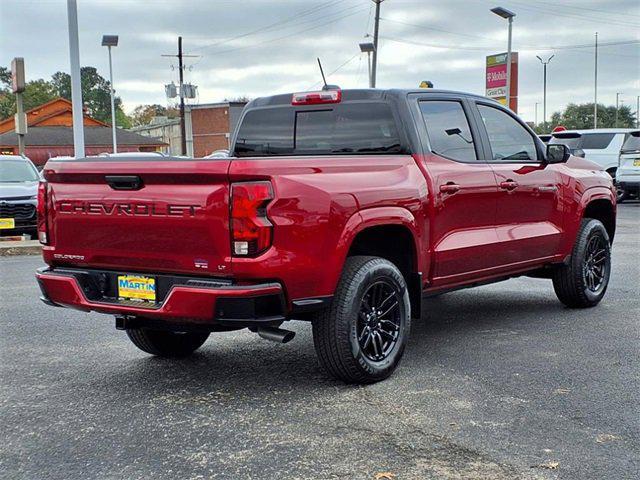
509 63
507 14
374 66
76 84
544 88
638 111
535 121
595 85
617 106
112 41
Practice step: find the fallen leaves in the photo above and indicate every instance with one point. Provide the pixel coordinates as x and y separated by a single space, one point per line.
606 437
385 476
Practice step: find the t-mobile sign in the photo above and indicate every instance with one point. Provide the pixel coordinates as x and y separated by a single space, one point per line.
496 79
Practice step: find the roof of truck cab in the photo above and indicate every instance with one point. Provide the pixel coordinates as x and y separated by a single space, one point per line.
363 94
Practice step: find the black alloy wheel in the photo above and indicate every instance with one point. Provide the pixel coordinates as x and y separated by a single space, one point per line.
595 263
379 321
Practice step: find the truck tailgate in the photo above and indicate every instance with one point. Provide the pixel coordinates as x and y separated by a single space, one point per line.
156 215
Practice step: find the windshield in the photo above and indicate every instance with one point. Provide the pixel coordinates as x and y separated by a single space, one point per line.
632 143
17 171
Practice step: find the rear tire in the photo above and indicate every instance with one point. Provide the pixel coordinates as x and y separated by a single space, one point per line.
165 343
361 337
583 281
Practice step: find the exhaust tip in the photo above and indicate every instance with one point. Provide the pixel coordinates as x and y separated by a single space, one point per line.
277 335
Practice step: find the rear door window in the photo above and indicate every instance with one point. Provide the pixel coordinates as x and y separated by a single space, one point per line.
448 129
349 128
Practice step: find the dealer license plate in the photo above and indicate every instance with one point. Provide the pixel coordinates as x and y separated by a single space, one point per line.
7 223
137 287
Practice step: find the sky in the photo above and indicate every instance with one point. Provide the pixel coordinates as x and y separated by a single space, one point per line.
262 47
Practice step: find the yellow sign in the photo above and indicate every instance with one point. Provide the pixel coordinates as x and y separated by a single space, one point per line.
137 286
7 223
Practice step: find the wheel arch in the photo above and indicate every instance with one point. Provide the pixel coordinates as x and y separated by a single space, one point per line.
390 233
601 206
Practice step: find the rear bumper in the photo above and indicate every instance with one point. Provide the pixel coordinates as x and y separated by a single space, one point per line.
204 305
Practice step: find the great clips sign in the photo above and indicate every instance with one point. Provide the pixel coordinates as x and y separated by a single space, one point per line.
496 79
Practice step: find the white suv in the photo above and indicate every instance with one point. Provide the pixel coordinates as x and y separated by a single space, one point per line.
628 174
601 145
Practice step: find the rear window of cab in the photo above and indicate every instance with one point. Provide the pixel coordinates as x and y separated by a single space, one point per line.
346 128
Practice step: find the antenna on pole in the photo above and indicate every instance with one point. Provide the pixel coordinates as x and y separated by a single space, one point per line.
324 80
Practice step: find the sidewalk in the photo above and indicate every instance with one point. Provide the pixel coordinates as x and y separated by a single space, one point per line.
28 247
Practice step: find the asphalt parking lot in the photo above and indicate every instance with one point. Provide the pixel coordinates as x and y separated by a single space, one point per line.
498 382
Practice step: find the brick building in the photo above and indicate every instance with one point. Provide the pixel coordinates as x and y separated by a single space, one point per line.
209 126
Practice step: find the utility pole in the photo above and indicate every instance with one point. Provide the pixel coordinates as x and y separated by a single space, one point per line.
617 107
183 129
595 87
544 88
638 111
374 66
535 121
76 84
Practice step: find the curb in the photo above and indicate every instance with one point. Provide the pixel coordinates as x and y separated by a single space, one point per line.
10 249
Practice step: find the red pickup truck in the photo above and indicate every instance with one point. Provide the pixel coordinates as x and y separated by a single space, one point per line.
345 208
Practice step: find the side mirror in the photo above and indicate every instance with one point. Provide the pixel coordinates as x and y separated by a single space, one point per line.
557 153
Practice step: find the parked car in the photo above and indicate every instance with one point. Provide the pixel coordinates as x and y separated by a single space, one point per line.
601 146
628 174
18 195
341 207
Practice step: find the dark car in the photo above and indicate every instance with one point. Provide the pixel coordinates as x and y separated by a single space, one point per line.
18 195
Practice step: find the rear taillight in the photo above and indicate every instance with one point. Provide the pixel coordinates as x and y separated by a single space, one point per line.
251 230
42 213
315 98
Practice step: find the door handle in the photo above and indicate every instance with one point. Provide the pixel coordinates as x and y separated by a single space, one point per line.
509 185
124 182
449 187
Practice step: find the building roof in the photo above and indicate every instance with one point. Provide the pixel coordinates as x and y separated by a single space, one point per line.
57 112
93 136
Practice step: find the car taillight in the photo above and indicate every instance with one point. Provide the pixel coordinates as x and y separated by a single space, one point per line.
42 213
315 98
251 230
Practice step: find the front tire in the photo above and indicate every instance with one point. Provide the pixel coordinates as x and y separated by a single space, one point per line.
165 343
583 281
362 336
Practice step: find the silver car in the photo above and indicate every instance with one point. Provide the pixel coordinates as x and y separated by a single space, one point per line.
18 195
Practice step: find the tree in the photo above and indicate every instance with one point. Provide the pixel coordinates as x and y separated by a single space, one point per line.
581 117
143 114
36 93
96 95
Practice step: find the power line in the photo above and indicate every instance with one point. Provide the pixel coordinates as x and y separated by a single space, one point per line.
525 48
293 34
555 13
297 16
